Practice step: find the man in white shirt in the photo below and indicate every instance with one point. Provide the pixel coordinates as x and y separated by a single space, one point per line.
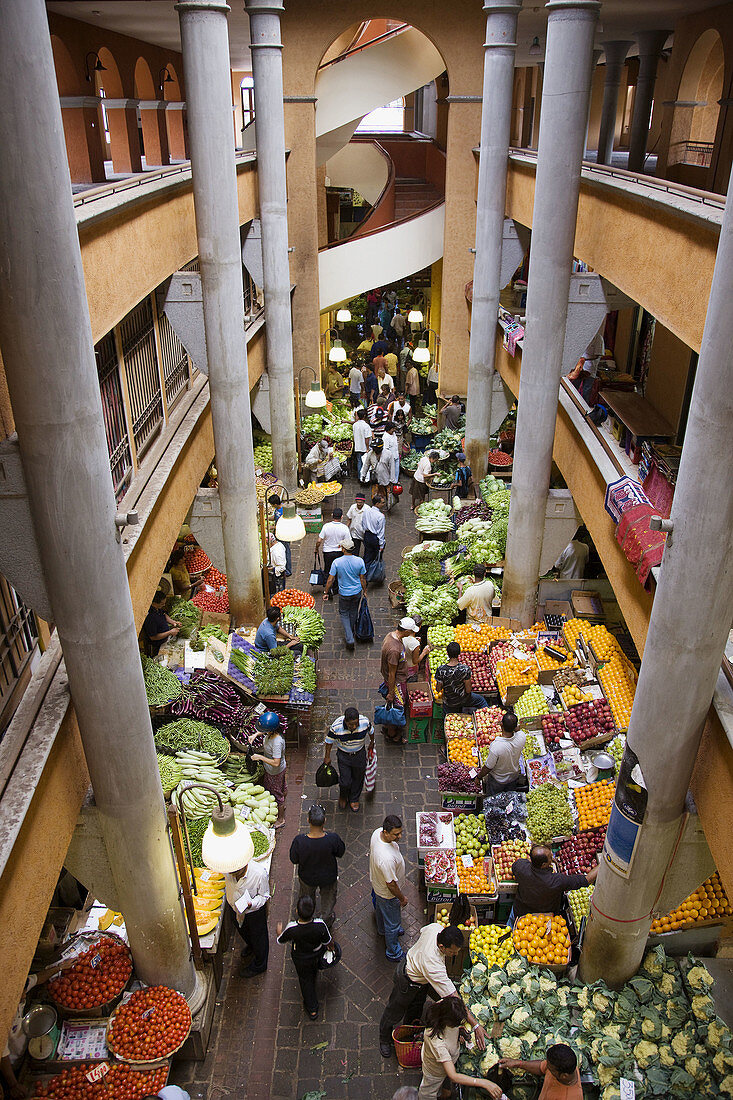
247 891
422 971
421 479
374 527
574 558
387 876
501 768
317 458
477 598
330 539
356 386
400 404
277 564
391 451
354 521
362 438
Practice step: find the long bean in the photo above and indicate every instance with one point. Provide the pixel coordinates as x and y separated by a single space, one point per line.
161 685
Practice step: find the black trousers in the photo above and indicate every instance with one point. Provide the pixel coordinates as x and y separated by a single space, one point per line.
329 557
371 549
253 931
351 769
406 1003
307 971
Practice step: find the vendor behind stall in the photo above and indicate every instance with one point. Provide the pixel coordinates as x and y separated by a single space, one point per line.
270 634
540 888
477 599
182 583
158 625
318 458
501 768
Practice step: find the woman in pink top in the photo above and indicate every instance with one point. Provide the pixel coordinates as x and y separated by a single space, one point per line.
559 1069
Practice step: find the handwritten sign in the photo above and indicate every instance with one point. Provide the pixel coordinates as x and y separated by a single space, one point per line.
97 1072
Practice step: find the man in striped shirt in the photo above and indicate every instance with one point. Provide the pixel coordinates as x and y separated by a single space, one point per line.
349 735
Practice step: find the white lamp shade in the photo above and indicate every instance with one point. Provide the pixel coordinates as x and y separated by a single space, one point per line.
421 354
227 853
337 354
343 315
316 398
290 527
415 317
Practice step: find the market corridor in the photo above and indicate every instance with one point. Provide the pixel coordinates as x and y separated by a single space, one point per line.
263 1045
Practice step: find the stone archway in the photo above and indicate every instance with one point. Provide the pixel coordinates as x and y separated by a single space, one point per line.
696 111
151 108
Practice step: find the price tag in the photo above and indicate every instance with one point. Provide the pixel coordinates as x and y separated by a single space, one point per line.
148 1012
473 773
97 1072
476 627
467 861
94 963
474 751
204 876
627 1089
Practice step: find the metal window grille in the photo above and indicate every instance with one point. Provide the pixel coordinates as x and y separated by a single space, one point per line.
17 639
113 410
175 361
143 378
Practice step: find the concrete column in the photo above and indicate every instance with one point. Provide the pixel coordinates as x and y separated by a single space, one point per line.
650 45
46 340
496 118
205 42
684 646
124 137
566 88
155 132
615 60
267 70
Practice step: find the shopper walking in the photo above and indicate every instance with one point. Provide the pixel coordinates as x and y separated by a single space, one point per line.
277 564
277 505
362 438
350 734
387 876
354 520
348 572
440 1050
356 386
431 387
412 387
391 456
247 891
422 478
371 385
329 540
374 526
307 937
392 361
420 973
398 325
463 479
316 855
272 758
394 669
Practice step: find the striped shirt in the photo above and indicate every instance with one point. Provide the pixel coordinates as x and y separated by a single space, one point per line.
344 739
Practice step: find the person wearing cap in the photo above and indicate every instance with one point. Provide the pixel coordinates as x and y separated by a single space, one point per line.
272 758
422 478
247 891
348 572
380 460
412 647
477 599
463 480
330 538
271 634
354 520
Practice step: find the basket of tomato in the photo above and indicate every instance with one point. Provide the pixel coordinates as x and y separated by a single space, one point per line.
116 1082
96 981
150 1027
292 597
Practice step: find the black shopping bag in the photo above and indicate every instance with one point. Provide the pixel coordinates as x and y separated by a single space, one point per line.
364 628
318 575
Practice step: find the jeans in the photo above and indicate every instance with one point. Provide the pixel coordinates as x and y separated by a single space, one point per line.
351 768
405 1004
253 931
328 894
288 559
371 549
307 971
348 607
471 702
389 923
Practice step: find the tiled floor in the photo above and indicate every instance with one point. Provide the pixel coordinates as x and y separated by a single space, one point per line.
262 1046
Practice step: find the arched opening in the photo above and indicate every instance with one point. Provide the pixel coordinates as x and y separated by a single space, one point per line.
695 119
152 128
68 78
174 116
83 127
119 122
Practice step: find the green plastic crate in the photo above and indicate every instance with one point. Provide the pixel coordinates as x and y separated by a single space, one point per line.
418 730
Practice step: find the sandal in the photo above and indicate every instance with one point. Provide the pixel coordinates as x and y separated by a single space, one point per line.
354 807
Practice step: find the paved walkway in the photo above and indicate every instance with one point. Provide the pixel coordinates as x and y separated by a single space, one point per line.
262 1046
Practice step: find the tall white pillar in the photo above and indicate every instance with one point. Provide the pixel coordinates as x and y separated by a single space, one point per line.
686 638
46 341
565 92
615 59
496 110
205 43
267 70
650 45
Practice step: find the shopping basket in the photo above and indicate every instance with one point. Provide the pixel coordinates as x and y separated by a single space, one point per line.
408 1045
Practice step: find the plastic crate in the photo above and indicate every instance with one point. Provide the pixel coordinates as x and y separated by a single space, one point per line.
419 708
418 730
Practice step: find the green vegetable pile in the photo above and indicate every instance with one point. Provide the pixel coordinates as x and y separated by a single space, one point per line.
435 605
187 733
659 1031
423 425
450 439
239 767
170 772
161 685
196 829
433 516
491 484
305 675
185 613
410 460
548 813
310 626
260 843
273 672
214 742
213 630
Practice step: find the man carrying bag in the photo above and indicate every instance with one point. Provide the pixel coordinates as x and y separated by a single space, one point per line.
350 574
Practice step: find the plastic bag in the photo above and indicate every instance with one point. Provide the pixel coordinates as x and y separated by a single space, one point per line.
326 775
377 572
364 628
390 716
370 775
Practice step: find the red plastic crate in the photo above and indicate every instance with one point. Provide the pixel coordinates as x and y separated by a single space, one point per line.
418 708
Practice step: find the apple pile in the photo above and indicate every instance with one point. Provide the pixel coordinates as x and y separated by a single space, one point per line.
585 721
553 729
577 855
488 725
504 856
481 676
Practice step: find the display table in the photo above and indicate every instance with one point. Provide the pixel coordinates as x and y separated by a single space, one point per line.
639 417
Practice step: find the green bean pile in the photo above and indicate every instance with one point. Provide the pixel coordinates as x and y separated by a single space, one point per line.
161 685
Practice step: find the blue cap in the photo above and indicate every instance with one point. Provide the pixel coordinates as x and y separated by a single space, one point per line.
269 721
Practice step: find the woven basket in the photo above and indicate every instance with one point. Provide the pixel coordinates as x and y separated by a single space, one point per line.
140 1061
96 1010
408 1045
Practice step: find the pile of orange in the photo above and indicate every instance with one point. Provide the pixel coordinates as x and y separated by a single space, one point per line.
547 663
574 629
512 670
594 803
473 880
542 939
605 645
708 903
474 638
463 751
618 689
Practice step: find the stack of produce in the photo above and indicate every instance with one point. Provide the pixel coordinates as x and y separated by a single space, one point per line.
304 679
207 900
450 439
210 601
253 802
308 498
199 767
495 494
506 854
209 698
97 976
458 725
572 694
197 560
531 703
440 869
546 663
619 689
120 1082
422 425
488 726
532 747
586 721
500 825
136 1033
240 766
433 516
473 879
292 597
187 614
566 676
442 916
195 830
474 638
616 749
492 942
553 729
187 734
457 779
578 854
500 458
548 813
471 839
485 540
433 604
708 903
328 488
574 629
543 939
475 510
481 679
409 462
273 672
593 803
604 644
515 672
504 650
161 685
431 828
579 902
541 770
463 751
263 456
306 622
170 773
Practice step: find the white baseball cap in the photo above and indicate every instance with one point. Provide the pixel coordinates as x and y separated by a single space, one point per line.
408 624
347 543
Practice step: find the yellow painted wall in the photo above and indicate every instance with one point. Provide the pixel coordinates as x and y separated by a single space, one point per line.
668 370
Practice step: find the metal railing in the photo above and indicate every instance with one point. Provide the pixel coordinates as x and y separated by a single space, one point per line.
134 183
392 33
141 370
18 637
174 361
113 411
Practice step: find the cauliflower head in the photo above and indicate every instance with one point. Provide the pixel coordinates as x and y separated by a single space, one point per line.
683 1044
703 1007
699 978
510 1046
666 984
666 1055
645 1053
600 1001
607 1075
725 1088
718 1034
518 1021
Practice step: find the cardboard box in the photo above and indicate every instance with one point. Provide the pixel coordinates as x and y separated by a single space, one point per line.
419 709
219 618
587 604
510 624
559 607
